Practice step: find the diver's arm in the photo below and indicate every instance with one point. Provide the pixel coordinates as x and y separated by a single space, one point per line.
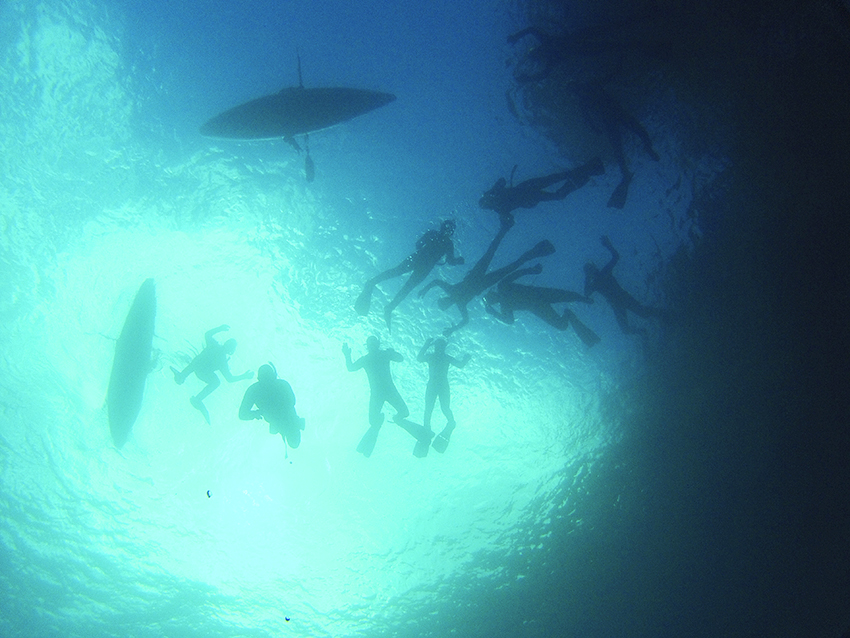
208 335
421 356
348 363
225 372
460 363
451 259
393 355
434 282
464 320
245 411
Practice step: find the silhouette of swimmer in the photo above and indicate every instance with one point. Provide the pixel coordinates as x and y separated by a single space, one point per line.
376 363
603 282
275 403
477 280
504 199
438 387
430 249
537 300
214 357
604 113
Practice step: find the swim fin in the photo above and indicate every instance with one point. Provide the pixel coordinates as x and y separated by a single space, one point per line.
361 306
441 441
541 249
367 443
584 333
200 407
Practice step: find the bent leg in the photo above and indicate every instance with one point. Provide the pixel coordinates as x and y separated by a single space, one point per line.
212 381
395 400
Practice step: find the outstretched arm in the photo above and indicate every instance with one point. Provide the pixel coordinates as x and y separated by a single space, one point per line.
434 282
451 259
393 355
245 411
225 372
421 356
356 365
208 335
460 363
463 321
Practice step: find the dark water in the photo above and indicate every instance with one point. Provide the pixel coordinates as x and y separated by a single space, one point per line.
690 483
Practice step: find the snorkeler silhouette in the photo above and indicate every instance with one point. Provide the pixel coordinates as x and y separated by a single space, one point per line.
275 403
504 198
603 282
214 357
376 363
537 300
477 280
438 387
430 249
604 112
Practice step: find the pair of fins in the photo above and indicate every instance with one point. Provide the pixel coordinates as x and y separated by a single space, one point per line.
423 438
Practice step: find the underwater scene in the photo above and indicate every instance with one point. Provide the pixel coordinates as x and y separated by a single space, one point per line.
516 318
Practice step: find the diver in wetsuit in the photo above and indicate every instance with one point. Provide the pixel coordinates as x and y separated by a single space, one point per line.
430 249
275 402
504 199
214 357
603 282
477 280
438 387
376 363
537 300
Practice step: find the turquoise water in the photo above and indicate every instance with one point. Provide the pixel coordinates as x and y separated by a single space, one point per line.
104 182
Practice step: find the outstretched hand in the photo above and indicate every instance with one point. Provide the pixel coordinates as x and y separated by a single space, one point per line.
346 350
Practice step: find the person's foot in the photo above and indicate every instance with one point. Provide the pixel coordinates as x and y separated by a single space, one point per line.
200 407
178 378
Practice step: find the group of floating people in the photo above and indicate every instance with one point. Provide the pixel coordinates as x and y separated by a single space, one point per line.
272 398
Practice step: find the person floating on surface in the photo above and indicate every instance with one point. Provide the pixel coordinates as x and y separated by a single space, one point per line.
213 358
537 300
477 280
275 402
376 363
603 282
430 249
438 387
504 199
